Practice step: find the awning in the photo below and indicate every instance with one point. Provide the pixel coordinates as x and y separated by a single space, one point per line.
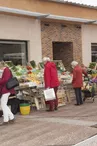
47 16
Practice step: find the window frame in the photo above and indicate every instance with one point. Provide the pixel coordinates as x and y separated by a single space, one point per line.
93 52
6 41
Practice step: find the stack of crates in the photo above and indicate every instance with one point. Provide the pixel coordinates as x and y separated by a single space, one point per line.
61 96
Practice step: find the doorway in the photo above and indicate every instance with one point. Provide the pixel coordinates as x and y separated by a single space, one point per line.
63 51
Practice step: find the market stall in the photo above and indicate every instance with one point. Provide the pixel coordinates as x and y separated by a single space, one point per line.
32 84
30 80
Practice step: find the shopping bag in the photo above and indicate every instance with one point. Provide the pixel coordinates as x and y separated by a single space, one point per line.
49 94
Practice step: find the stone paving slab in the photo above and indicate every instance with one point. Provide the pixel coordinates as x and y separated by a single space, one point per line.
29 132
62 120
88 112
69 125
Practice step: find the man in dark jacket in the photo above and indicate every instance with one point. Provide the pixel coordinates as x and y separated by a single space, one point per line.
77 81
51 81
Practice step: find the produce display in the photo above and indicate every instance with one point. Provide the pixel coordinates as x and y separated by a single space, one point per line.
29 73
92 70
33 78
33 64
66 78
35 73
60 66
92 65
90 83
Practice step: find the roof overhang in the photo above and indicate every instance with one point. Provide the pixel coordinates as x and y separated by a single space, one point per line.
47 16
22 12
72 19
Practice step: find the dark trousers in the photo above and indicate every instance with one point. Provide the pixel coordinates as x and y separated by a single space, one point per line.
53 104
78 95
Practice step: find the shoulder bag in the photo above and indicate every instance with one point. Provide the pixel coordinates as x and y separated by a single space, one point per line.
12 83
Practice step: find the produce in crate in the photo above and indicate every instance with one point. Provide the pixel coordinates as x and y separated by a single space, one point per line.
92 65
29 67
41 65
9 63
33 64
33 78
60 66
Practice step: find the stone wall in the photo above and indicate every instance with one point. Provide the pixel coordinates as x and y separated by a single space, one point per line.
57 32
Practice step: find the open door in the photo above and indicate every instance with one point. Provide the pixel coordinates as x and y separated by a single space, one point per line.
63 51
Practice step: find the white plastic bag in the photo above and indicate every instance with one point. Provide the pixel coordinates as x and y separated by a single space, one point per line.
49 94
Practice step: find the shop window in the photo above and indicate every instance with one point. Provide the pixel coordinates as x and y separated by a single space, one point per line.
94 52
15 51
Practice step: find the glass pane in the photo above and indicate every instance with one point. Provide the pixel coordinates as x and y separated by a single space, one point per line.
13 51
94 52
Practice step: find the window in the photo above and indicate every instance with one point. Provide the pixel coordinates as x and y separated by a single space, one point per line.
15 51
94 52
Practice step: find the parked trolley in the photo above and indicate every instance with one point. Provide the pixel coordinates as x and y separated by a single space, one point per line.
89 91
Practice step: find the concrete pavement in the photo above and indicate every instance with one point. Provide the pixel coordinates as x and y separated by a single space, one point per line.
70 125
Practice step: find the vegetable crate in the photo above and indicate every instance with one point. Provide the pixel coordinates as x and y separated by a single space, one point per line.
61 97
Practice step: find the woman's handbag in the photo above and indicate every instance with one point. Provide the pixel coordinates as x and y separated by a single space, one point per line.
12 83
49 94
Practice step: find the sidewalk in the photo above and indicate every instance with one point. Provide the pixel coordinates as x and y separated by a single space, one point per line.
70 125
88 142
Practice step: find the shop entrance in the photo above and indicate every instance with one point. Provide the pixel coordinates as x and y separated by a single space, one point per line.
63 51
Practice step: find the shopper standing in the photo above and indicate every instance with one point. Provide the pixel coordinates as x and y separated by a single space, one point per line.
5 93
51 81
77 82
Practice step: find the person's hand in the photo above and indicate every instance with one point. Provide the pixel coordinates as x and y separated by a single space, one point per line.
48 88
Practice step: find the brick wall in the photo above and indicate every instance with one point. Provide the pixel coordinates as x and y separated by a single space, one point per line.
57 32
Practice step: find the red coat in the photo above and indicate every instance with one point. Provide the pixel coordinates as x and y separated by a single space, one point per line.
77 81
50 75
5 77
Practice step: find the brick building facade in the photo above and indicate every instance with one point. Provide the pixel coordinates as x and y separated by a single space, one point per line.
65 34
58 29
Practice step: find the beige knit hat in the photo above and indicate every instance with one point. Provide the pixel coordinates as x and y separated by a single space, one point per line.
45 59
74 63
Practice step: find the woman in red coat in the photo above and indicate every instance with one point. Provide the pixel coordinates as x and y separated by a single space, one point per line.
51 81
77 82
4 77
